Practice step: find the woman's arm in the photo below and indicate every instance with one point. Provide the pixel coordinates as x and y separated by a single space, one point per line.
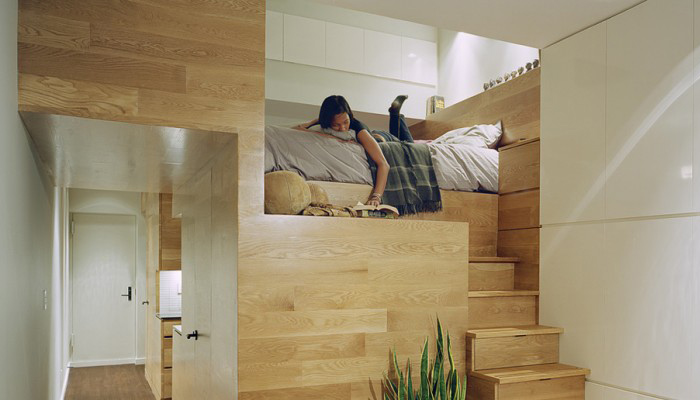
307 125
375 153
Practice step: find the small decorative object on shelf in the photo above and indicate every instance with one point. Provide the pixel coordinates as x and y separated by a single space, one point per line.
528 66
492 83
486 86
434 104
499 80
536 63
514 74
506 77
521 70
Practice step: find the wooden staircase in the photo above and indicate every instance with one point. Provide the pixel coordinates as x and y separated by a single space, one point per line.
510 356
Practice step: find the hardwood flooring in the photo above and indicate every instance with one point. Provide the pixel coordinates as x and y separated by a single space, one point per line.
117 382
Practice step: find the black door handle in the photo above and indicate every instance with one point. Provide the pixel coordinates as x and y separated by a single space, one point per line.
145 302
194 335
128 294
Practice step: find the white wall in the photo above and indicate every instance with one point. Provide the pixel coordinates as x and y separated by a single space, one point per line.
466 61
307 84
27 348
124 203
620 205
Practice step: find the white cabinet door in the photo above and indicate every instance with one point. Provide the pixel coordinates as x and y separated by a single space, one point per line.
572 156
345 47
274 35
382 54
418 61
304 40
649 124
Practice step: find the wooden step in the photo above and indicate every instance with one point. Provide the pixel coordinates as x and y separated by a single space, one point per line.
494 259
515 346
492 309
509 331
491 276
549 381
503 293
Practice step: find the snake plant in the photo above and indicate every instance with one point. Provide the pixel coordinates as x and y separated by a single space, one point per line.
434 383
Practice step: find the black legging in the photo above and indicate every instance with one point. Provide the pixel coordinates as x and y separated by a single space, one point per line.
398 131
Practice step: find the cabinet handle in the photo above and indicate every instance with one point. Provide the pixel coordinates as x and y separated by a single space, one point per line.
194 335
145 302
128 294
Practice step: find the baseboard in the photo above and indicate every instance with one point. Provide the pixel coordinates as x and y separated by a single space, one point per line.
99 363
140 361
65 384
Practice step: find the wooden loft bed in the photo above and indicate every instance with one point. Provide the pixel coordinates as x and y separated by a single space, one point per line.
517 104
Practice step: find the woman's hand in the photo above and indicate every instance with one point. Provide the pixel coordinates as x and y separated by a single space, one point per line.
373 201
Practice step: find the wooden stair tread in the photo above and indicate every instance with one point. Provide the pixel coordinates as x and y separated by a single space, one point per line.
529 373
494 259
503 293
509 331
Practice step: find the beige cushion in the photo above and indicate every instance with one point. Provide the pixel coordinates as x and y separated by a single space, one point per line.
318 194
286 193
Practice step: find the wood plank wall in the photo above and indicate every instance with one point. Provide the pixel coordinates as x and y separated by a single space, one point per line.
357 287
170 235
160 62
517 104
519 210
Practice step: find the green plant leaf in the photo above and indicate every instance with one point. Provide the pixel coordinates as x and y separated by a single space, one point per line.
424 384
442 387
409 379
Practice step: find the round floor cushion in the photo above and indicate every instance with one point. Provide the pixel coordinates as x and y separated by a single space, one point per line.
286 193
318 194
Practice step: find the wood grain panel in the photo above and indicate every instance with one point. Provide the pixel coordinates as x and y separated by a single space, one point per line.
53 31
175 49
375 296
80 98
489 312
479 209
303 348
170 235
562 389
519 168
71 64
327 392
262 298
507 352
491 276
268 375
307 323
232 82
525 244
516 103
519 210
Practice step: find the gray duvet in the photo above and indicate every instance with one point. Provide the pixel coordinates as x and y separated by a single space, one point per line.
322 157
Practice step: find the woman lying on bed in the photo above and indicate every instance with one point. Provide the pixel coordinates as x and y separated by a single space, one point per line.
335 117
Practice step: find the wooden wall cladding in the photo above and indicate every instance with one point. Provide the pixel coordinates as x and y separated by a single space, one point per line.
322 301
519 167
519 210
170 235
480 210
160 62
516 103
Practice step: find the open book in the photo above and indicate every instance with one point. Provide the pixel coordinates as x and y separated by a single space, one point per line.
380 211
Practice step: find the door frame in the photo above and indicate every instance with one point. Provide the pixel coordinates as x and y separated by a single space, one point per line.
135 296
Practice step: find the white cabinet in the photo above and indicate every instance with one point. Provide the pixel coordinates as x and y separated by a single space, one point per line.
573 128
304 40
345 47
383 54
418 61
274 35
649 113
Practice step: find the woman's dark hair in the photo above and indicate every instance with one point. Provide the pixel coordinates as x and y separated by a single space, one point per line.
332 106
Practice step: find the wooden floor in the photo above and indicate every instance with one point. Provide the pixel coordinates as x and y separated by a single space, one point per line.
118 382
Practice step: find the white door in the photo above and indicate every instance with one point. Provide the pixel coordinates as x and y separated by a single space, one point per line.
102 276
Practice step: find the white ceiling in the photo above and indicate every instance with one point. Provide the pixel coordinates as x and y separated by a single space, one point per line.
535 23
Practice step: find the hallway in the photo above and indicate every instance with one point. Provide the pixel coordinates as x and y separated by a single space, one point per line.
118 382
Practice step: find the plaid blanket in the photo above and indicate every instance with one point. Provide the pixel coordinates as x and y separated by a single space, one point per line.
411 186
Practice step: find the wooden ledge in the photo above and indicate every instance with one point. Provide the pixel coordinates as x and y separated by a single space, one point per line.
503 293
510 331
529 373
519 143
493 260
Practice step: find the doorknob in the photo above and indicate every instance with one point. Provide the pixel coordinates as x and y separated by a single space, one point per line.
143 303
194 335
128 294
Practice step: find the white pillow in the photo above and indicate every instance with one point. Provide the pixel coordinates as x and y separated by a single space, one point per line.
485 136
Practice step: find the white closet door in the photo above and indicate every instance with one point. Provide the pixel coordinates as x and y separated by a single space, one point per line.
304 40
572 153
274 35
202 293
345 47
418 61
382 54
649 124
